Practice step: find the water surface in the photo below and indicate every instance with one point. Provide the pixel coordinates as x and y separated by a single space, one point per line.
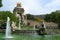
32 37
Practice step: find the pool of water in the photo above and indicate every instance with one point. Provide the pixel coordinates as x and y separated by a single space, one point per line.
32 37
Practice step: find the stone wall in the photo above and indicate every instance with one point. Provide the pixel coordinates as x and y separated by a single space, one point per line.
53 31
32 32
2 30
25 32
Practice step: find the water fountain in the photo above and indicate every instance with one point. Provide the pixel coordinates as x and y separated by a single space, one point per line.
34 27
19 26
8 30
19 23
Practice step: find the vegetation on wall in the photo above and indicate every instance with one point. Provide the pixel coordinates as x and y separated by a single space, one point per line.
39 19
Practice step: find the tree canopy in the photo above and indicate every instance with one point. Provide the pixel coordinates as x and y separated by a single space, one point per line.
0 3
53 17
5 14
33 17
30 17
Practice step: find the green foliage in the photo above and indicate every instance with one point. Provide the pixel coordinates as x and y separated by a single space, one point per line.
5 14
0 3
39 19
25 27
43 33
2 24
32 17
53 17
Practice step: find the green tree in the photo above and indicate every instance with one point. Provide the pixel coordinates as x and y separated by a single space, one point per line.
5 14
53 17
0 3
30 17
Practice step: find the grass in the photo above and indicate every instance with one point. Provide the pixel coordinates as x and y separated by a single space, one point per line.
26 27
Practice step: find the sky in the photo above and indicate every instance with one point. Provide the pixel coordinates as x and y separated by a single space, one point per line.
35 7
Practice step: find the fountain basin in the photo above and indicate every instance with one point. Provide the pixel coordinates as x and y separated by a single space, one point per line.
8 37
